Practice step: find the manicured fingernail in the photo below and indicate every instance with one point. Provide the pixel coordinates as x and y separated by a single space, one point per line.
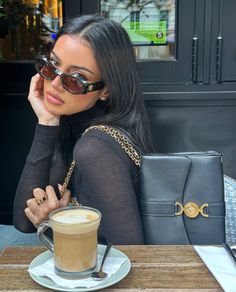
36 191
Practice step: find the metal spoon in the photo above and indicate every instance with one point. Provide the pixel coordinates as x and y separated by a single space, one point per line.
99 275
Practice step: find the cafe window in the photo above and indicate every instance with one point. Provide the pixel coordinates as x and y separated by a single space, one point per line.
150 25
27 28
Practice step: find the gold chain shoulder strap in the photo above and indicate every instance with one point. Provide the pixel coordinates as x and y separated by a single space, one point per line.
67 178
121 139
73 200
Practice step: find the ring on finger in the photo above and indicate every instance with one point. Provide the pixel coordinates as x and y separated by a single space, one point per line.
41 200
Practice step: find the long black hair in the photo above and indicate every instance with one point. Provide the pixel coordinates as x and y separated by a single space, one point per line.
115 57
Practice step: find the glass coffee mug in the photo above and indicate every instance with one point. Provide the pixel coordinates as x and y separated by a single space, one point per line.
74 240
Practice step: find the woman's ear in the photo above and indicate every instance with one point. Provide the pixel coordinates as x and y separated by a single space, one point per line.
104 94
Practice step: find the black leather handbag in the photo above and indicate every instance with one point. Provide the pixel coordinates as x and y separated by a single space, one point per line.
181 194
182 198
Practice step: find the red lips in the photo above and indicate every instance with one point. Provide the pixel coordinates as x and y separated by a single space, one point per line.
53 99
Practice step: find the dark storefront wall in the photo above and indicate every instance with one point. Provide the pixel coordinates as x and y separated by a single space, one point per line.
191 99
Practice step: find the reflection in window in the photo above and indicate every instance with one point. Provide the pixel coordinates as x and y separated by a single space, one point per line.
28 27
150 25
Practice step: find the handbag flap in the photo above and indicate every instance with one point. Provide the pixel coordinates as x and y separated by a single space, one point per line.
167 174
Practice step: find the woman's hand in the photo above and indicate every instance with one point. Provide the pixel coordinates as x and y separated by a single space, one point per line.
36 97
43 203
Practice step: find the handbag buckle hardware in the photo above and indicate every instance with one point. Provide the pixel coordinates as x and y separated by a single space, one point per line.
202 210
191 209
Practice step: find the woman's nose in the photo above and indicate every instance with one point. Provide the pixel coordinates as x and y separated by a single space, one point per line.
56 83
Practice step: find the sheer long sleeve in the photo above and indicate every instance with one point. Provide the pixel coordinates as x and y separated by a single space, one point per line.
43 167
106 181
104 178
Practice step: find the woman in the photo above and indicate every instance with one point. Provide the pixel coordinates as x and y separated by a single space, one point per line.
89 78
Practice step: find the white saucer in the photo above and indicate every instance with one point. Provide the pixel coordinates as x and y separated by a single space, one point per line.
119 275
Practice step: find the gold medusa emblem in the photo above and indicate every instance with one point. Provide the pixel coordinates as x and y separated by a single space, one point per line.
191 209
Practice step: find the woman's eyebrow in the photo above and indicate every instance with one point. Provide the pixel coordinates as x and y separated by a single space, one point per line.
55 55
82 68
74 66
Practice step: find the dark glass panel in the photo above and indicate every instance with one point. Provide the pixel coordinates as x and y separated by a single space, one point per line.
27 28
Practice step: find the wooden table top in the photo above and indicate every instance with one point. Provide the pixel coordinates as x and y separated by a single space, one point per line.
154 268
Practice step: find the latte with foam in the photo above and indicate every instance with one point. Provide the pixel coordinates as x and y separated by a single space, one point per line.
75 239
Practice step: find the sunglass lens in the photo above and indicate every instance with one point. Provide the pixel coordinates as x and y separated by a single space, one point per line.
72 84
45 69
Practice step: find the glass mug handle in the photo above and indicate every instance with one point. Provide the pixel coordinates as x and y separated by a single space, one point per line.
46 241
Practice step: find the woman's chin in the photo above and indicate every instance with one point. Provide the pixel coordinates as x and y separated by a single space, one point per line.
53 110
60 112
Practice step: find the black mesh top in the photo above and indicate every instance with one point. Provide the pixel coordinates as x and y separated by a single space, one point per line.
104 178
